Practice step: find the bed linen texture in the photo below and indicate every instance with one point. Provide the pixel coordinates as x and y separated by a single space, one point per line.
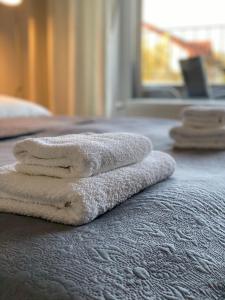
166 242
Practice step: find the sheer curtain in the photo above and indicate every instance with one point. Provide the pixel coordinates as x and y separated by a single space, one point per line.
94 41
76 56
122 53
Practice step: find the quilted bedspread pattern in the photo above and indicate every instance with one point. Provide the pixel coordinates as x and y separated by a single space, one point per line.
167 242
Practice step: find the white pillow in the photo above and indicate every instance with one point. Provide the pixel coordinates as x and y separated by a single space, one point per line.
15 107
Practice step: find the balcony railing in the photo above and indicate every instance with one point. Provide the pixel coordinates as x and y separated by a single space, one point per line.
162 50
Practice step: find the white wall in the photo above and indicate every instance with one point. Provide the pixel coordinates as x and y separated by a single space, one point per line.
22 51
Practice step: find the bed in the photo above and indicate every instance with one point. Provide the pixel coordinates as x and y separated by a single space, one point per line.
166 242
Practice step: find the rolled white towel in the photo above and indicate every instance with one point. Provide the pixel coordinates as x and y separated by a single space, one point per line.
78 201
191 138
204 117
80 155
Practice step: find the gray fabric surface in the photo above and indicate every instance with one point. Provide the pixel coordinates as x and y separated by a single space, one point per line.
167 242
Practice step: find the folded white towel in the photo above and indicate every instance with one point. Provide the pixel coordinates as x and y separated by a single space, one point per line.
204 117
78 201
198 138
80 155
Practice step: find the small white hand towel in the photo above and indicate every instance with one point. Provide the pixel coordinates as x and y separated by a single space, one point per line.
189 138
79 201
204 117
80 155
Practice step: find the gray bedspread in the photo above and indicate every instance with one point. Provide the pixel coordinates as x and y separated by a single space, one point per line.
167 242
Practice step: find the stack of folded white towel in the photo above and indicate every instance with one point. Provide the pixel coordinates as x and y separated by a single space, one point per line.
202 128
74 178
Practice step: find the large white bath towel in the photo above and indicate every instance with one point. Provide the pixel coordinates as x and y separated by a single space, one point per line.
190 138
80 155
204 117
78 201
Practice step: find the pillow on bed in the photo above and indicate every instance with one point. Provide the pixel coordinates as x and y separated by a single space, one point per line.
16 107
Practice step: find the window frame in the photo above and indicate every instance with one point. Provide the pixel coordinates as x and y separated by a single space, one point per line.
141 91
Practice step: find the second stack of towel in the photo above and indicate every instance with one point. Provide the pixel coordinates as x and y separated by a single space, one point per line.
202 128
74 178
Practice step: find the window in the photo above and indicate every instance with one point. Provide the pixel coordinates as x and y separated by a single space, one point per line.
175 30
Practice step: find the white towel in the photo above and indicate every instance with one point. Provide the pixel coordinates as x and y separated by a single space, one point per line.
80 155
190 138
204 117
78 201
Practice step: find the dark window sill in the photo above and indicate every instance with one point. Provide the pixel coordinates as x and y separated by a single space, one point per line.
178 92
